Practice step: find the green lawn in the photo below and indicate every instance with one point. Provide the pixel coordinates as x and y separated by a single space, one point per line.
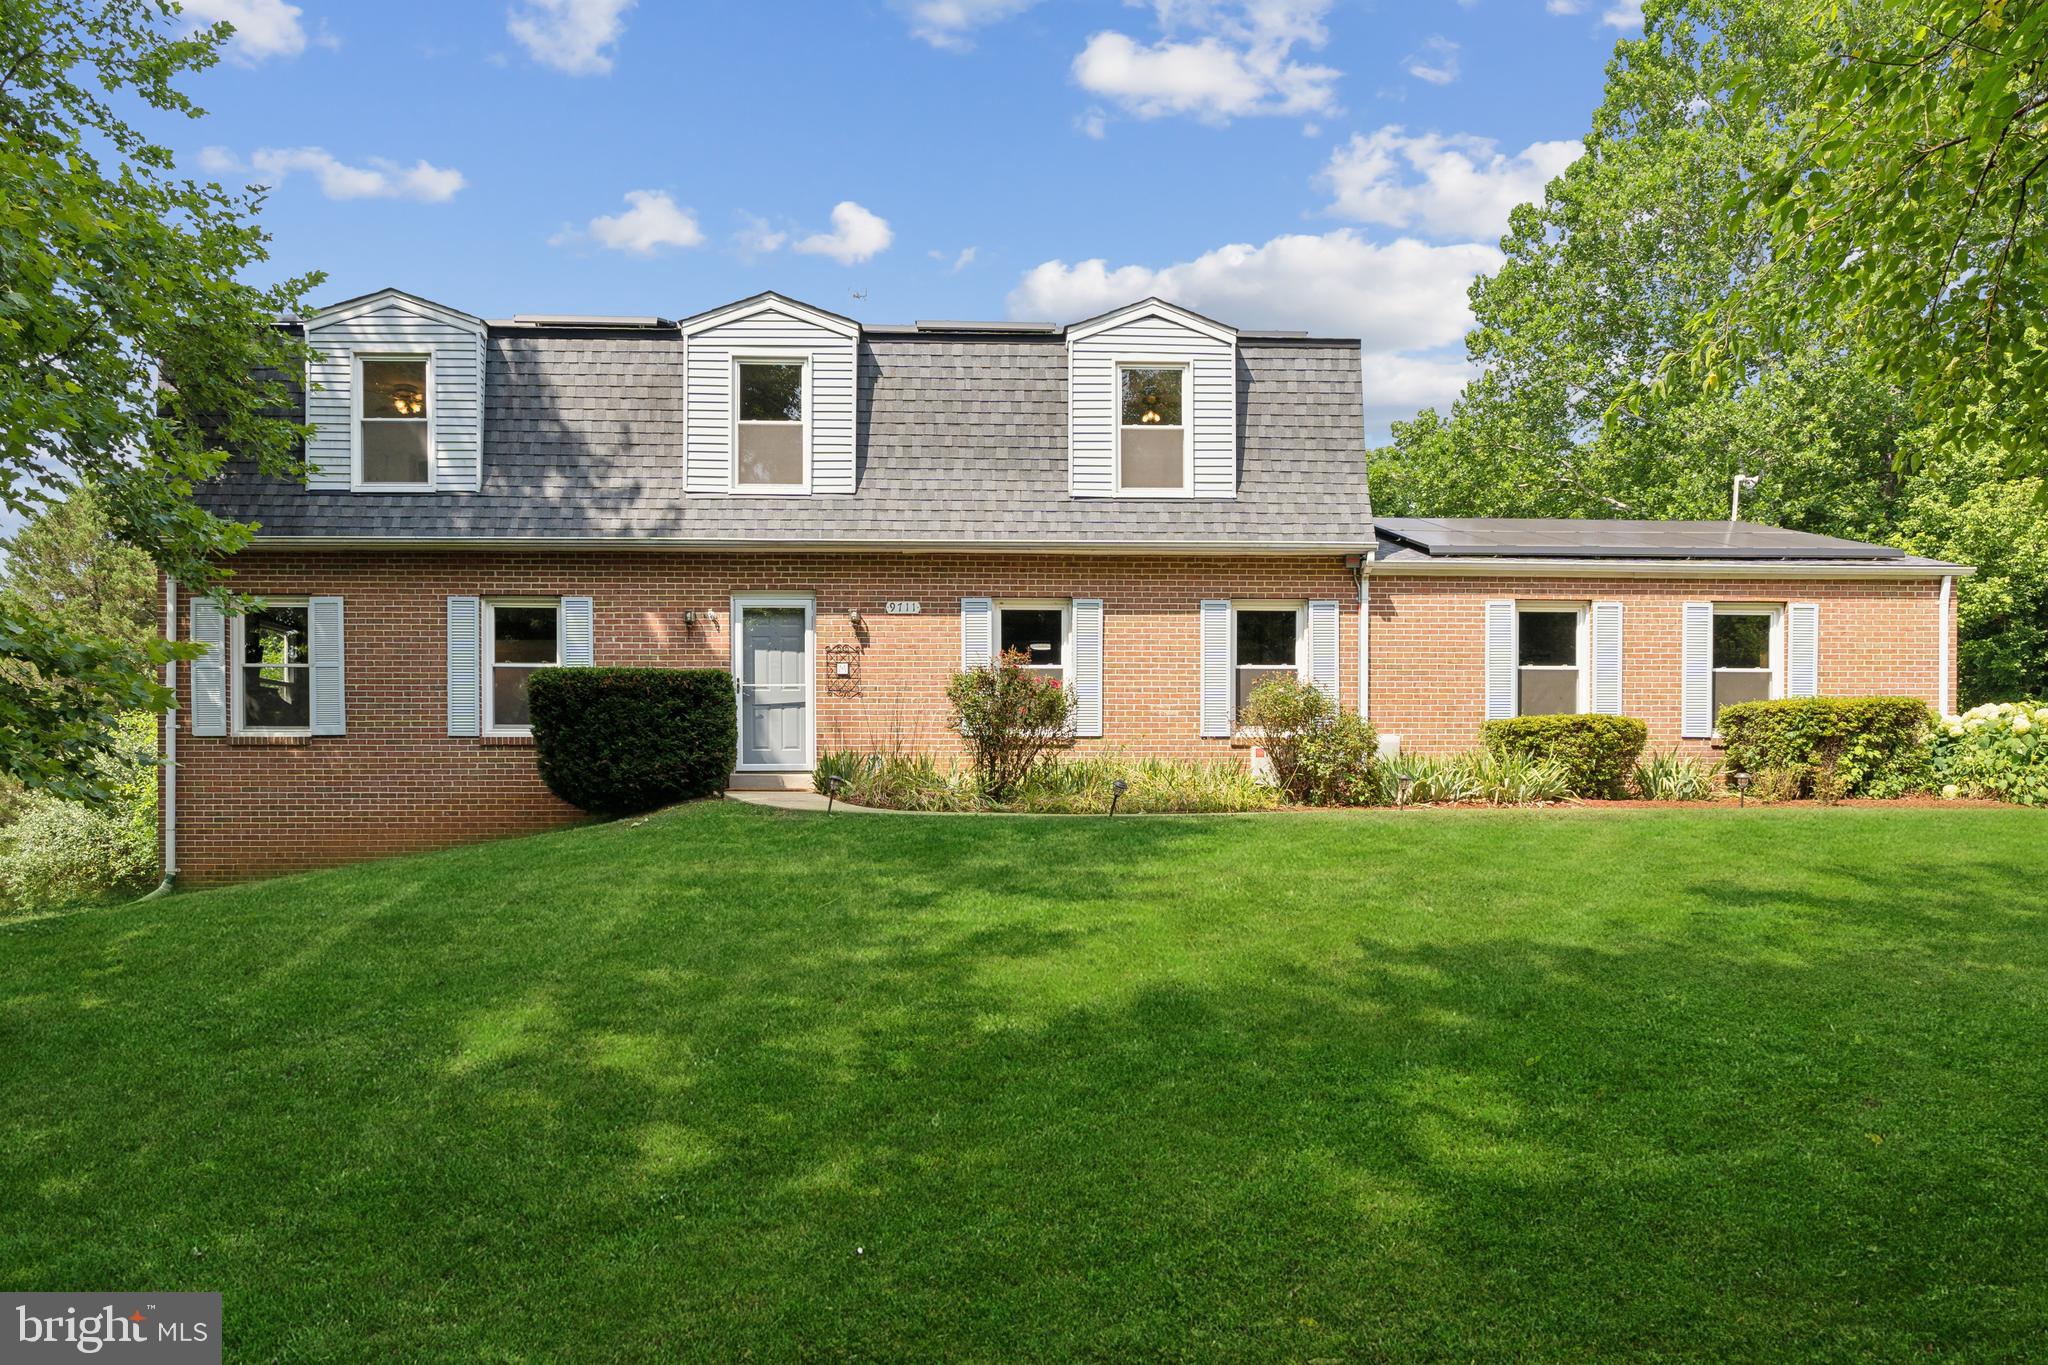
1763 1084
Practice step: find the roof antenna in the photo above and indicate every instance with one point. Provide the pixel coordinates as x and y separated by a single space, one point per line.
1742 481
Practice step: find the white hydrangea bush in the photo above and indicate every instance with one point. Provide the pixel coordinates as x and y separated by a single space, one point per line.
1999 749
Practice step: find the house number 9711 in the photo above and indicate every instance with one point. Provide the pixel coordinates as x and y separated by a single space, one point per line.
903 608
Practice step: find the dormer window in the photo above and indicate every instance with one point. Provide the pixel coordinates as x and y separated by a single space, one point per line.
394 429
769 447
1152 436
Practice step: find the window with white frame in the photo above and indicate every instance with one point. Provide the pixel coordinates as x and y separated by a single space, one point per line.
1550 655
1039 631
768 441
273 670
1746 654
394 429
521 637
1266 640
1152 434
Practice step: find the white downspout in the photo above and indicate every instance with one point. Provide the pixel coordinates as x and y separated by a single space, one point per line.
1942 698
1365 636
167 813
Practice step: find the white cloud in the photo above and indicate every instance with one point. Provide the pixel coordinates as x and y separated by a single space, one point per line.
857 235
652 222
1093 123
263 28
1237 62
1405 300
570 35
758 237
1456 186
1437 63
961 261
1623 14
378 178
1564 6
948 24
1397 296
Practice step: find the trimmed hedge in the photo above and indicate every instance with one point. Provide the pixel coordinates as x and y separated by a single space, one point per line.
1597 753
619 740
1834 746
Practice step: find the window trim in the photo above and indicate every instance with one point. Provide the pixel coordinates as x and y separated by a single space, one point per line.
236 639
1187 426
1300 610
1065 607
1580 648
1776 612
357 484
486 675
769 357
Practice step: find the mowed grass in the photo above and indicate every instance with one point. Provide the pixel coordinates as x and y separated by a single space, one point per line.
729 1081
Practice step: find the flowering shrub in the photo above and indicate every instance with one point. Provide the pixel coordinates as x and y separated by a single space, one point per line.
1998 749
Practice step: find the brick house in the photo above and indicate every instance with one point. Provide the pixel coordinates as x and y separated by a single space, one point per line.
1158 508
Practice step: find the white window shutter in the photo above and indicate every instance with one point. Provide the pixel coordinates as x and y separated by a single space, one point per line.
465 667
1696 675
324 635
1322 647
1216 690
579 635
977 632
1088 667
1500 659
209 671
1802 649
1607 658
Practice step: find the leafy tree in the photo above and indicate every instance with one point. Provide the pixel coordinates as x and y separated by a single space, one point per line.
1901 213
1577 412
68 566
130 355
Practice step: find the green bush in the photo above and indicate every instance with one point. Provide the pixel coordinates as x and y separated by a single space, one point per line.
1833 746
1596 753
58 853
1011 719
1677 777
1087 786
619 740
1320 755
1999 750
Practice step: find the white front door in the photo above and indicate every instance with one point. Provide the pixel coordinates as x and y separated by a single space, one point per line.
772 670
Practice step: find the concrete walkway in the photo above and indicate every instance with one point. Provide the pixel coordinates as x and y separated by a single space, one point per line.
786 800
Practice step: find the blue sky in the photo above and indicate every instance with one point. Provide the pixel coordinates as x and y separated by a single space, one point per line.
1330 164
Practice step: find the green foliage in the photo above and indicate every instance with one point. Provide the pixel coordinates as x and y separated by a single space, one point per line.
1499 779
118 271
1900 213
1011 718
1831 746
67 566
1069 786
1320 756
619 740
1597 753
1998 749
1575 414
58 853
1677 777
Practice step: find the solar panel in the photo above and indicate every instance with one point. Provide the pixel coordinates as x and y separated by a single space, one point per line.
1566 538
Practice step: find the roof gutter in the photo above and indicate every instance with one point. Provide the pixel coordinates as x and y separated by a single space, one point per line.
1664 568
1265 549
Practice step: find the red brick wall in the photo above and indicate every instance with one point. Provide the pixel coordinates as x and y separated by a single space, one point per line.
1427 641
397 782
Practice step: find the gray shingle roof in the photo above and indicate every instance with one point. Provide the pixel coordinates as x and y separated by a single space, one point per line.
963 440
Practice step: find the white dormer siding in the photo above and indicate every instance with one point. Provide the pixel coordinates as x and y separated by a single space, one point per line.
773 330
396 325
1152 334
